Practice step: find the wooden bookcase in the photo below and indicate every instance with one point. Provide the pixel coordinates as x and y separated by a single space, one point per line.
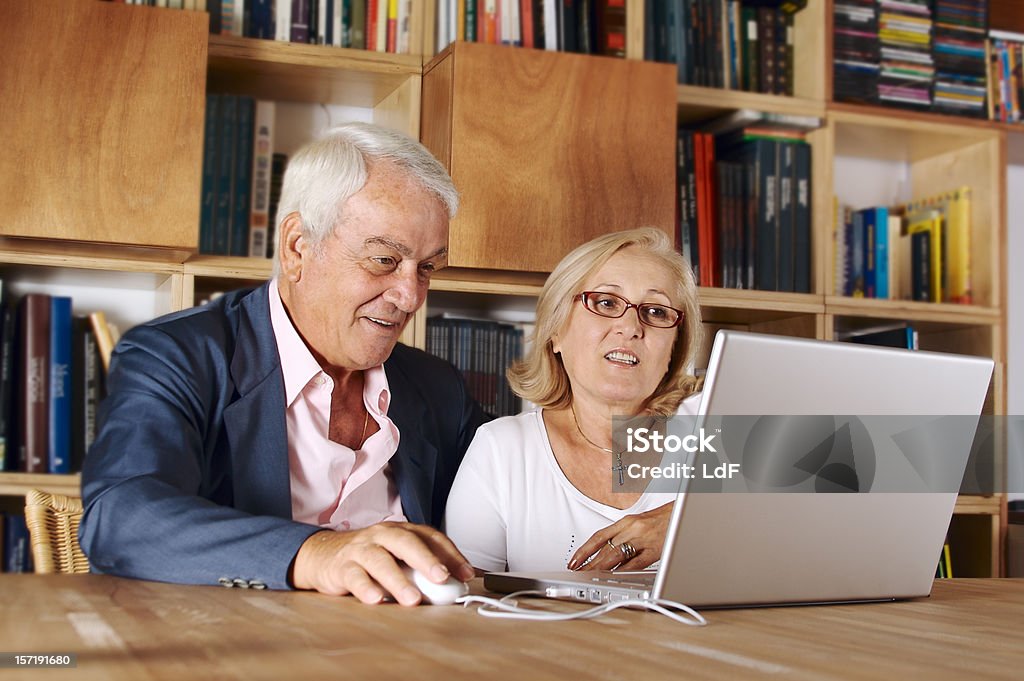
935 152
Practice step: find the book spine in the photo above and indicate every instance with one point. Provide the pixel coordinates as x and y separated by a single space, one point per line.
262 162
59 460
787 216
227 140
33 383
17 549
241 181
881 227
7 457
767 214
802 219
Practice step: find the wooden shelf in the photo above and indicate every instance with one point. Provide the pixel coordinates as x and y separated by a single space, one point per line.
970 504
944 313
18 484
281 71
698 104
926 117
227 267
56 254
509 283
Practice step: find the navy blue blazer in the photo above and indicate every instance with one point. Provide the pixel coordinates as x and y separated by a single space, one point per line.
187 480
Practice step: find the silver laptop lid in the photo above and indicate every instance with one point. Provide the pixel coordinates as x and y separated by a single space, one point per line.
764 548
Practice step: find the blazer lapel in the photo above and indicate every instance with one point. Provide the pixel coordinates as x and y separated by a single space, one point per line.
255 421
414 465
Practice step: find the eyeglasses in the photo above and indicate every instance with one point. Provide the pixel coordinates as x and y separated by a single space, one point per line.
613 306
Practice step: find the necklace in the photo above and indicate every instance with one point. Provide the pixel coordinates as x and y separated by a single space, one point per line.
618 467
366 421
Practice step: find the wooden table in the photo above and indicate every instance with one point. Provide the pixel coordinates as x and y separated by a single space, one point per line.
132 630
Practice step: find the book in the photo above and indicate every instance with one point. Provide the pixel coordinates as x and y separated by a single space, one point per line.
104 339
32 366
889 335
59 438
928 223
262 167
17 549
86 388
7 453
802 218
241 177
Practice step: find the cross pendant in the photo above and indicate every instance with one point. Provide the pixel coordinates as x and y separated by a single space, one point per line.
619 468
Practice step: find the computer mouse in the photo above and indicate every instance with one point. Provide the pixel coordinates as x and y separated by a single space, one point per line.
436 594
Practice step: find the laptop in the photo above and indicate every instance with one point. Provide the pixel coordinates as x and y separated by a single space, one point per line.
773 547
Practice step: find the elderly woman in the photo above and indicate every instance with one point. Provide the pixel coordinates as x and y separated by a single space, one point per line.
618 324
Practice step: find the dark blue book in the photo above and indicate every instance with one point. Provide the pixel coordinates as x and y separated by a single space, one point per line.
208 205
802 218
241 184
225 174
261 19
7 454
60 386
17 550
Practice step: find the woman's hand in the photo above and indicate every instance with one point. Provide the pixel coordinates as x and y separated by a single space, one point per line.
644 532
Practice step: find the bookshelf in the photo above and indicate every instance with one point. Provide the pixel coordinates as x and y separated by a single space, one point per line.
934 152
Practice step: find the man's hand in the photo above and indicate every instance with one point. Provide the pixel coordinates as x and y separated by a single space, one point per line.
644 532
364 563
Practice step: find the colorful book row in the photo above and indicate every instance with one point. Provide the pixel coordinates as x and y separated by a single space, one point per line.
51 382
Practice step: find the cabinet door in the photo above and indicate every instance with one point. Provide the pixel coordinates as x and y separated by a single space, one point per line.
549 150
102 110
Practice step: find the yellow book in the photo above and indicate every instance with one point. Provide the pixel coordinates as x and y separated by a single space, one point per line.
104 339
958 232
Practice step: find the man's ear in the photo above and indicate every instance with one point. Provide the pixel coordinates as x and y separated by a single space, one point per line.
291 246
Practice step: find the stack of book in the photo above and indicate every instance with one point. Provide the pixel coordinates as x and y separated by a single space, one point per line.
744 211
51 382
959 49
918 251
482 350
856 51
907 68
238 149
1005 52
732 44
583 26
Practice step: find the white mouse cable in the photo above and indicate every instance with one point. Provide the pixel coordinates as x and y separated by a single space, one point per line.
502 608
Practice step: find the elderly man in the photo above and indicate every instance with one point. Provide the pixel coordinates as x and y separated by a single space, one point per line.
279 437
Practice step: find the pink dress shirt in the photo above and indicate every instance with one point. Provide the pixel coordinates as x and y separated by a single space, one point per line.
331 485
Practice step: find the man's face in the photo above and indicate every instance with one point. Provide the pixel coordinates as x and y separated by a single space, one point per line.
351 296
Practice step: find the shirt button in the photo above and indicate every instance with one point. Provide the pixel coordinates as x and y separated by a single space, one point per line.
320 380
346 524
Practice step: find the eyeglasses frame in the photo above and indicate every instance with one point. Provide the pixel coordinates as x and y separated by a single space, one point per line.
582 297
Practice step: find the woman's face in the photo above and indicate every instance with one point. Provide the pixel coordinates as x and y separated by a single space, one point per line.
618 363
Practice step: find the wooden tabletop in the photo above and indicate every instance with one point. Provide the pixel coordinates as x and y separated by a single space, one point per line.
132 630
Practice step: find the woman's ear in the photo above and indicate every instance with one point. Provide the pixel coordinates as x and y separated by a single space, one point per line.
556 345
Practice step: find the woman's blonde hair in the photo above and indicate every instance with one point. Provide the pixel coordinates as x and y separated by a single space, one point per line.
541 378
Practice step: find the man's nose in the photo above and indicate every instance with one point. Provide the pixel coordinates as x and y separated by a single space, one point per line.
407 291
